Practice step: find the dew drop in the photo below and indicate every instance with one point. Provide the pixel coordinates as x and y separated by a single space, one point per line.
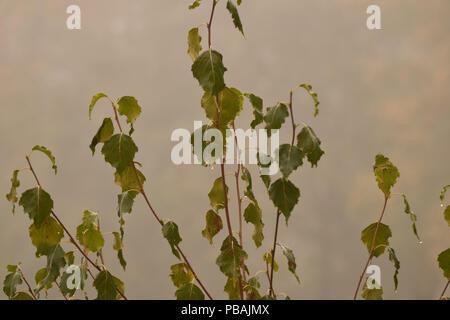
442 205
420 242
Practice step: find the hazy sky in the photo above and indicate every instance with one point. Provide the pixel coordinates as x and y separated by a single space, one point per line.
380 91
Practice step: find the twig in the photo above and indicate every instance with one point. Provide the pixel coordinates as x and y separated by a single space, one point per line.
72 239
445 289
142 191
373 247
28 285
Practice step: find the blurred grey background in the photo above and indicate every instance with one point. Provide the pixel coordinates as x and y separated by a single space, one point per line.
380 91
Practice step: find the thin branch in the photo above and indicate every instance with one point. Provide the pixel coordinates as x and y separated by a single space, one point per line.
373 247
222 169
272 292
160 221
209 25
115 114
445 289
59 287
72 239
28 285
278 211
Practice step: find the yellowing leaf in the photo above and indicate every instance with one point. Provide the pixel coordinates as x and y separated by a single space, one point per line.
49 154
213 225
48 235
386 174
129 107
194 43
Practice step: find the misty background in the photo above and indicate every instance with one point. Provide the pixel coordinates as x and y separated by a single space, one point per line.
380 91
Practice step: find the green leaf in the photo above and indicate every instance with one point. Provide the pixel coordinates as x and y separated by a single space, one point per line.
246 176
70 258
125 202
217 195
12 195
189 292
313 95
412 216
208 69
371 294
40 276
229 102
447 215
213 225
309 143
197 150
181 274
12 280
231 258
118 246
443 192
170 232
235 16
66 278
194 44
94 100
386 174
37 204
252 288
284 195
257 105
22 296
195 4
103 134
129 107
232 289
88 234
381 241
63 285
48 235
275 116
126 179
290 158
55 262
444 262
253 215
268 259
393 258
49 154
292 266
119 151
107 286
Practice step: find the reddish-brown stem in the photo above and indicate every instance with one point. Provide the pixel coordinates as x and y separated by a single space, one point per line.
292 119
160 221
59 287
278 211
116 116
272 292
227 213
372 248
445 289
239 201
28 285
210 22
72 239
101 249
